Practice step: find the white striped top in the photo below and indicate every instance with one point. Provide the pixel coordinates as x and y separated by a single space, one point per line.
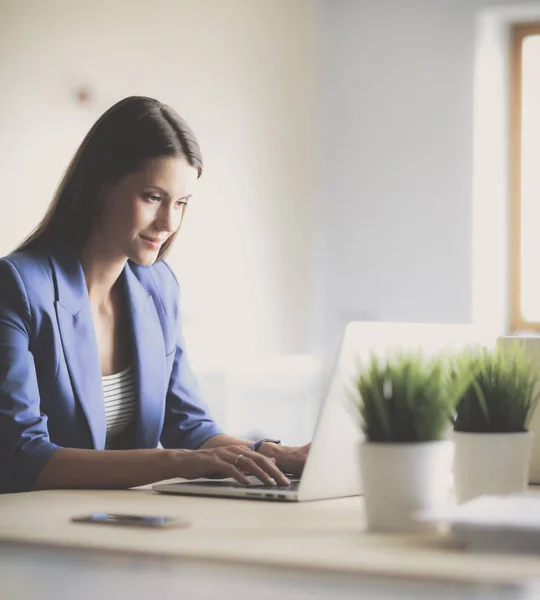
120 403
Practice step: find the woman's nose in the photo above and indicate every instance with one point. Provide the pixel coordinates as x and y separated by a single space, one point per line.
166 219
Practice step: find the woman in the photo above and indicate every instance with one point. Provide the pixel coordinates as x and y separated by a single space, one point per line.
93 372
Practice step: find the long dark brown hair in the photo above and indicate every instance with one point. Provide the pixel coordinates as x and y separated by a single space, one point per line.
132 132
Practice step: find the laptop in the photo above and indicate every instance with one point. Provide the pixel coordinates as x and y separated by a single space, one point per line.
332 468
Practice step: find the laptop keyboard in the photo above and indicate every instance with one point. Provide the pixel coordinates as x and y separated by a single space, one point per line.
293 486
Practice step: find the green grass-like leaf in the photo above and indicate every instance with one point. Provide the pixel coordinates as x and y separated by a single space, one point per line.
409 398
502 395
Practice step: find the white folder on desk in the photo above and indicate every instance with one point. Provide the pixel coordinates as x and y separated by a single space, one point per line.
499 523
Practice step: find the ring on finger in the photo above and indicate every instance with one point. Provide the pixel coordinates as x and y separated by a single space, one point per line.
237 459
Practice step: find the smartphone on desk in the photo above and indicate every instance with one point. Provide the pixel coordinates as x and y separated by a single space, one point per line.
146 521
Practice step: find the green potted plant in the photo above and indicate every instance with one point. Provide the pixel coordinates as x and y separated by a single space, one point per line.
404 405
492 443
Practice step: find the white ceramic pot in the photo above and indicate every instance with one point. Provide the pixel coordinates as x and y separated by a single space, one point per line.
534 427
531 344
491 463
401 480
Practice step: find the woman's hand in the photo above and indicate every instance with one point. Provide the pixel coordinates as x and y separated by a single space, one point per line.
228 461
289 459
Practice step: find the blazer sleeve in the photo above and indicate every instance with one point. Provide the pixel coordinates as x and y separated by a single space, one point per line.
25 446
188 422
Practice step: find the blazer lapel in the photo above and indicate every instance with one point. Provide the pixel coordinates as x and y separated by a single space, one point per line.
79 341
149 360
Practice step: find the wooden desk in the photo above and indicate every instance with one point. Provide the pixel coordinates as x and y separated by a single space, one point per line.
322 537
28 572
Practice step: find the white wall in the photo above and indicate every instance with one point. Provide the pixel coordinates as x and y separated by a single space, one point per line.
242 73
397 88
338 138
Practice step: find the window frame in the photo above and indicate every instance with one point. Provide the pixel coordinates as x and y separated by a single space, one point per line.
518 33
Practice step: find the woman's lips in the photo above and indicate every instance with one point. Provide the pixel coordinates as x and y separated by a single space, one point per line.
153 242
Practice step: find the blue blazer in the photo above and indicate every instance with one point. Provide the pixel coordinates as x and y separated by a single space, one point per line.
50 378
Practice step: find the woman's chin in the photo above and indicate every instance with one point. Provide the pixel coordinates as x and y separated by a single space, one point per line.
144 259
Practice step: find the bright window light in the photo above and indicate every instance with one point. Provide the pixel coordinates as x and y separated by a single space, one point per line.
530 179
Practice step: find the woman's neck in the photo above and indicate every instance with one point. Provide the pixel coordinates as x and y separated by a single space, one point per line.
101 269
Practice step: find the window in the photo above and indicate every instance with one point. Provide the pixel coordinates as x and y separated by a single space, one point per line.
525 178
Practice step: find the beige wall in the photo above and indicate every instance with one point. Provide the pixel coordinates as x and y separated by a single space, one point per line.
283 246
242 73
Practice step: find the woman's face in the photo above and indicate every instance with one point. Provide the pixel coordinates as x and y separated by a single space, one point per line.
145 208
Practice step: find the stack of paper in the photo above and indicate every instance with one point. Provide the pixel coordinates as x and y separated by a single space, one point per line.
499 523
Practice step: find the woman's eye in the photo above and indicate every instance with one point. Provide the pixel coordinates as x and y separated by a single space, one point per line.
181 203
153 197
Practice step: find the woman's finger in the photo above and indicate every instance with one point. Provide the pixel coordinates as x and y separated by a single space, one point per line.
250 466
269 458
231 471
268 466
